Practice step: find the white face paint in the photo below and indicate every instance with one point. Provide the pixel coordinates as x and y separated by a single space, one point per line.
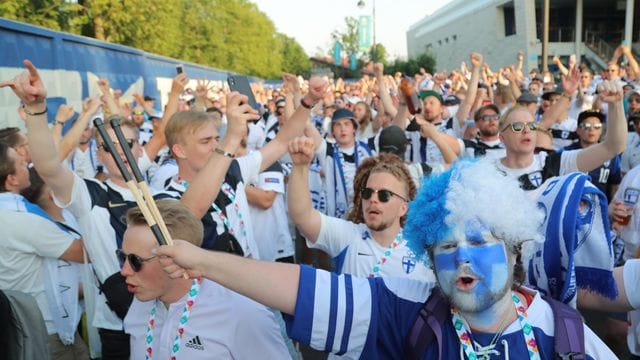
472 267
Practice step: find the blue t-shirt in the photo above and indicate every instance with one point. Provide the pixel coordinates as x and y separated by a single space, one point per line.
370 319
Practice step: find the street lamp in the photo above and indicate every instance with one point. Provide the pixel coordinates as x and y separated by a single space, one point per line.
361 5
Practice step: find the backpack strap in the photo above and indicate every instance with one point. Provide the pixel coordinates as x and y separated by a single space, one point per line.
428 325
569 330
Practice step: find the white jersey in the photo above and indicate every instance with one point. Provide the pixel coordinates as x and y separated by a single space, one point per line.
631 155
355 252
85 162
544 166
271 226
222 325
564 133
629 190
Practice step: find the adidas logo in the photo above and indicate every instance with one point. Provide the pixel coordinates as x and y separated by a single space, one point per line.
195 343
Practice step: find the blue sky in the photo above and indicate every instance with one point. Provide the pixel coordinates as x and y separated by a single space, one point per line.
311 22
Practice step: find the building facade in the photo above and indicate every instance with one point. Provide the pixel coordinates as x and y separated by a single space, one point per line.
591 29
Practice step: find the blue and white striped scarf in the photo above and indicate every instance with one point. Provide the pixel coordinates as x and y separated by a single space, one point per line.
577 250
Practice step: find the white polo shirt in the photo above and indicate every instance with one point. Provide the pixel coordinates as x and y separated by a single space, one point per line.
222 325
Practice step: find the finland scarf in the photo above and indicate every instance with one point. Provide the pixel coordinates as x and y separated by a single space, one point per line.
577 250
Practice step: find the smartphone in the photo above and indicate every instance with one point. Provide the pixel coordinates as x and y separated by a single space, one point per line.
179 68
240 83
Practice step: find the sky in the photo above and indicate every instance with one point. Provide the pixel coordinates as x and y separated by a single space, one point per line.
311 22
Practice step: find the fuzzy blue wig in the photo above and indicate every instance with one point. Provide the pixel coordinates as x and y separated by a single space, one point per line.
470 192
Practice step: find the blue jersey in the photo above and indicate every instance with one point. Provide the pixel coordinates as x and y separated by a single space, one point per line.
370 319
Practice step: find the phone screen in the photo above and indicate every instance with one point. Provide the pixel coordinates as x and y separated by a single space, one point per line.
240 83
179 69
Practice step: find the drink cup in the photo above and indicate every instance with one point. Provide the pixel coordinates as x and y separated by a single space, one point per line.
631 196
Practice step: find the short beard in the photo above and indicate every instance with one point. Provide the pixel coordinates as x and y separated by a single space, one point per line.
380 227
489 133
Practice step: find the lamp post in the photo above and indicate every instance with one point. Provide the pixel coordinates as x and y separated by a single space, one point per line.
374 53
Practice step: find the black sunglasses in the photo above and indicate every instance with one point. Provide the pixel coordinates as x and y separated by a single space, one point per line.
130 142
135 261
383 194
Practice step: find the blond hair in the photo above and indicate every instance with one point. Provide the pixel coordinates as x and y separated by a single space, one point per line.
180 221
183 123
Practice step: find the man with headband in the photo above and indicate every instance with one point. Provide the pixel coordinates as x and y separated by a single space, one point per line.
470 224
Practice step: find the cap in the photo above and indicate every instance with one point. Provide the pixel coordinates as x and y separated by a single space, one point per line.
591 113
482 109
633 92
342 114
451 100
527 97
392 140
547 96
426 93
280 103
149 98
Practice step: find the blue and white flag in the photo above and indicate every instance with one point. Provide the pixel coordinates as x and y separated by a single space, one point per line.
577 250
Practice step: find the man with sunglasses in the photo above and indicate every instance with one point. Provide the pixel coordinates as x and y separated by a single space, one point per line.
607 176
518 133
488 142
184 318
372 244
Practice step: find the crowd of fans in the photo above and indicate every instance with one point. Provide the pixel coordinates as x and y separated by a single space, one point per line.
397 191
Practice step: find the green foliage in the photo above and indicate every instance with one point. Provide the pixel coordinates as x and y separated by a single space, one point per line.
294 59
232 35
378 53
349 38
413 65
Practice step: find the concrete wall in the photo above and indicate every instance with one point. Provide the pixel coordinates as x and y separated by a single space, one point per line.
476 26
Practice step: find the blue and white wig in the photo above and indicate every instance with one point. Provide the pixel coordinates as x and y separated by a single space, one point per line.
471 191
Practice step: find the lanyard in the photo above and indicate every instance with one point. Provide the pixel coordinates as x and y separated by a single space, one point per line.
338 160
386 256
231 195
464 335
184 318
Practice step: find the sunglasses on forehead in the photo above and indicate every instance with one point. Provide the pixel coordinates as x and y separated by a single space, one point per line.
134 260
518 126
130 142
384 195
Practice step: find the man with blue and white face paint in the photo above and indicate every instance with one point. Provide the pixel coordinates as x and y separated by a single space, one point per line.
471 225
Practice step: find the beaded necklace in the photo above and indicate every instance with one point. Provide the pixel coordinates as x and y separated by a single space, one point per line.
464 335
375 271
186 311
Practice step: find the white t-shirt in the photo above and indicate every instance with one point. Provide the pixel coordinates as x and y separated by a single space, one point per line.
222 325
629 188
271 226
85 163
356 252
631 155
27 241
531 177
366 134
566 126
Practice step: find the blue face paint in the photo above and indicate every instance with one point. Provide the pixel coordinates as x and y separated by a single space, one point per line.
474 252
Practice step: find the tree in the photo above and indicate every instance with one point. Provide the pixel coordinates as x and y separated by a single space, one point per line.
413 65
349 38
378 53
294 59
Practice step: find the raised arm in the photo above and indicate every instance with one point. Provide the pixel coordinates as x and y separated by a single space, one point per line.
512 76
28 86
64 114
633 64
158 140
563 69
467 103
270 283
140 100
295 125
301 210
108 98
203 190
72 137
445 143
293 94
615 139
385 97
569 86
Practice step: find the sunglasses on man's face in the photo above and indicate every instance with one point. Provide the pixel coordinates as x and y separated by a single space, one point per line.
384 195
130 142
488 117
138 113
634 100
518 126
134 260
589 126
